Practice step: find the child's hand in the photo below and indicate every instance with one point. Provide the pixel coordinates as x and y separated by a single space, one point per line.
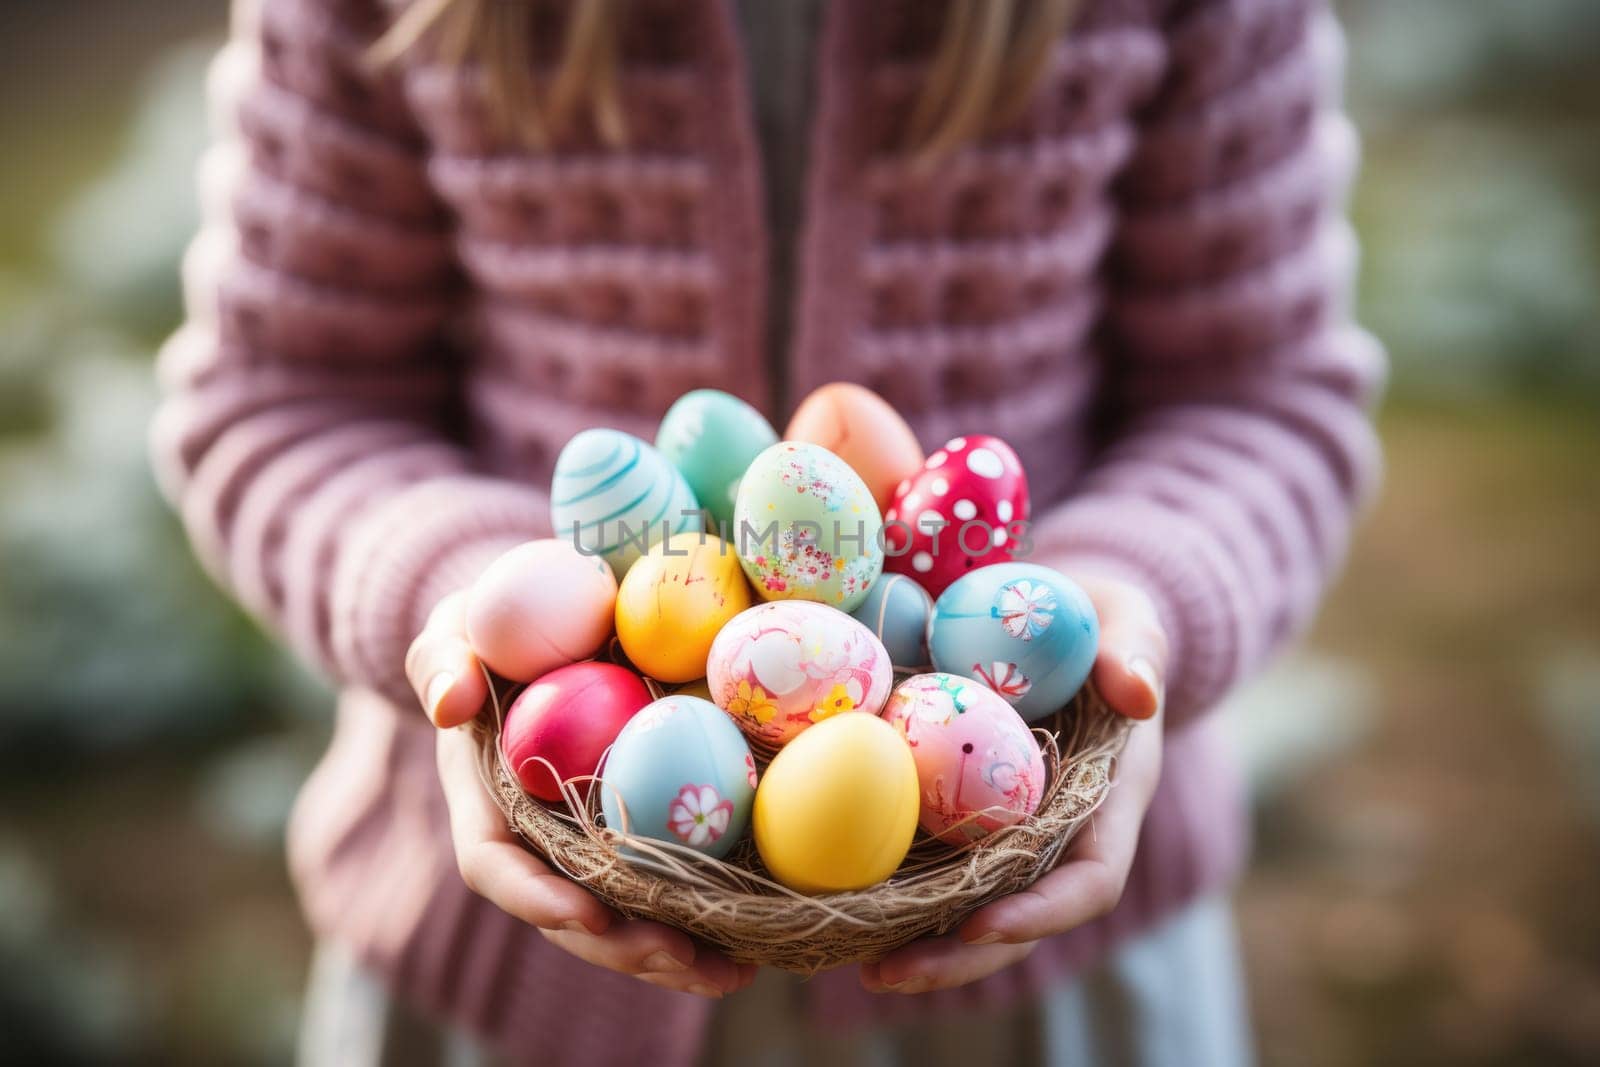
1129 673
443 670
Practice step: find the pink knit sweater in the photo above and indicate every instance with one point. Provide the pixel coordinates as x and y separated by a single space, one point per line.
397 319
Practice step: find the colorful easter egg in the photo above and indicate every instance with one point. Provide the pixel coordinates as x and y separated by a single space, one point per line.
978 765
806 527
837 808
958 513
712 436
540 606
680 772
1026 631
779 667
674 600
558 728
896 611
613 496
859 427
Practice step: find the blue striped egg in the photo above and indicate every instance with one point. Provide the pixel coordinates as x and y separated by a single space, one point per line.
1027 632
613 496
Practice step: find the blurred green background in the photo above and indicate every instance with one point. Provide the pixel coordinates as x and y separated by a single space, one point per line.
1426 768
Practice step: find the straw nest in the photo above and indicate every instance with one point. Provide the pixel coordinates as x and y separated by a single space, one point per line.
732 903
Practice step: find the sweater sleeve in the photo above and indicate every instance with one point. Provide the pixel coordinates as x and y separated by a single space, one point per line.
1237 444
305 431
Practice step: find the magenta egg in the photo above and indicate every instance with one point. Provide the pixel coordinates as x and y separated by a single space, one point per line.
567 719
978 765
963 510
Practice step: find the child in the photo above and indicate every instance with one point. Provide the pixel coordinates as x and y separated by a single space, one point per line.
443 236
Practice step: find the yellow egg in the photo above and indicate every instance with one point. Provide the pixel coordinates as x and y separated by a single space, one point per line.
697 688
673 601
837 808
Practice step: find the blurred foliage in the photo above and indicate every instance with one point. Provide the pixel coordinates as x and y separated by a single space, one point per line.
110 637
1478 206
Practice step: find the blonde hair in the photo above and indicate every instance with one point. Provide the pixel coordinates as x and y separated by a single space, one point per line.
990 57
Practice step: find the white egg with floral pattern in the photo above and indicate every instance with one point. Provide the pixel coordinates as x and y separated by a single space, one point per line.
778 667
681 772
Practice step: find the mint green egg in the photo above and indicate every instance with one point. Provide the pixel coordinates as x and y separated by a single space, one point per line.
805 527
711 437
613 496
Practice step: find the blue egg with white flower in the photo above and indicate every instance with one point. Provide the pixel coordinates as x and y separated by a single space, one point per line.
1027 632
680 771
896 611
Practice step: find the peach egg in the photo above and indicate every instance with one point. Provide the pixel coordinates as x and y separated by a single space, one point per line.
859 427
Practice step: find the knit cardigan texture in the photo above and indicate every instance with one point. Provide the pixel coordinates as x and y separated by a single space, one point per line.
397 316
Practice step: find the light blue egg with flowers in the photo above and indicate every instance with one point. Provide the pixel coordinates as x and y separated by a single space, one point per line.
711 437
1027 632
613 495
680 771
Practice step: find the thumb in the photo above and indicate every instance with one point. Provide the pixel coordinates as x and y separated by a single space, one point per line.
442 668
1130 669
1130 680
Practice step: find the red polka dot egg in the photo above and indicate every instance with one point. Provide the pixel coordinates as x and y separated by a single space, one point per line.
961 511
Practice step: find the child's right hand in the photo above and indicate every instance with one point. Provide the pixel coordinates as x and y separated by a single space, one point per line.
444 671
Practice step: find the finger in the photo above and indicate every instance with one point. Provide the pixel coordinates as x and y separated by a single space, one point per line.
938 963
1130 667
493 863
1128 677
442 669
662 955
447 678
1090 881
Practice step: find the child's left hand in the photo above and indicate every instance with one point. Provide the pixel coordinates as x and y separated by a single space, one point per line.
1129 672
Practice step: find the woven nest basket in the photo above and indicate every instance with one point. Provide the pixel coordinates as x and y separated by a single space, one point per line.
735 906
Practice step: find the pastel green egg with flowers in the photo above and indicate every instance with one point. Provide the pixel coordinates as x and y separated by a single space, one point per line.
806 527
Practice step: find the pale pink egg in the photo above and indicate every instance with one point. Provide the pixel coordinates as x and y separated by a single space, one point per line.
540 606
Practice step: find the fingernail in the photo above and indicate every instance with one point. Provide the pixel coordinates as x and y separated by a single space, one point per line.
915 984
1145 670
700 989
990 938
438 688
663 962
